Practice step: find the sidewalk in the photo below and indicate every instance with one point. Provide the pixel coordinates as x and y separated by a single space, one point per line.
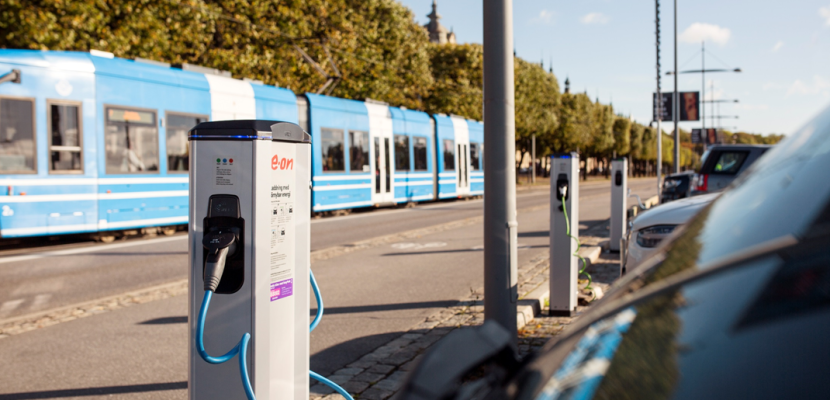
379 374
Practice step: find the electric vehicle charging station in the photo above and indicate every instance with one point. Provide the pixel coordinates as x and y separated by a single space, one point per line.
564 223
619 194
249 239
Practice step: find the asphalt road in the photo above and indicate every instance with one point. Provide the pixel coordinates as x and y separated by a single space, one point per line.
371 295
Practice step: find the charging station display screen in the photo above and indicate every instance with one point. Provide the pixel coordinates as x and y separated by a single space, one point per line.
283 192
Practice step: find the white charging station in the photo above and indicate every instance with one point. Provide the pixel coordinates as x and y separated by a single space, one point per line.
250 192
619 194
564 266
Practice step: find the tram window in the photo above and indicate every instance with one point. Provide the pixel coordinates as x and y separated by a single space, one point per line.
474 156
131 141
419 147
331 144
178 150
17 135
65 138
449 155
359 151
401 153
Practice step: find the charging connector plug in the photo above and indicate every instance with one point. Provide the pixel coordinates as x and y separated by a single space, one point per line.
219 246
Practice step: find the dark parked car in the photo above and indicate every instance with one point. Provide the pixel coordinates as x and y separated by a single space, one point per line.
677 186
735 304
721 164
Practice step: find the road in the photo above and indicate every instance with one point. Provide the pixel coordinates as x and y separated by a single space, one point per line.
372 295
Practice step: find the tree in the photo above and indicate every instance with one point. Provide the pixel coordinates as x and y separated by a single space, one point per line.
622 135
362 48
457 74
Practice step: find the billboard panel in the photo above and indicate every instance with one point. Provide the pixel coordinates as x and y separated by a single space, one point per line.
689 106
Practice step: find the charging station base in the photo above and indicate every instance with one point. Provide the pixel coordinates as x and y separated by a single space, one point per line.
561 313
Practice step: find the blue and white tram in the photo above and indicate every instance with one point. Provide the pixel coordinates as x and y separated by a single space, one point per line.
90 143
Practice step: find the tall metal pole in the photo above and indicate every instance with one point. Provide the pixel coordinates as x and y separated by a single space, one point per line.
703 93
533 159
659 103
500 225
676 102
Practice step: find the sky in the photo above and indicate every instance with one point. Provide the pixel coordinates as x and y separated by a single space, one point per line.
606 48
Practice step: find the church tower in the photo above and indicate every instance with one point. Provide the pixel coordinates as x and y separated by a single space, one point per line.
437 32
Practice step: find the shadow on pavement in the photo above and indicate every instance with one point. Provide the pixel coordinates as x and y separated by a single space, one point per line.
338 356
165 320
385 307
95 391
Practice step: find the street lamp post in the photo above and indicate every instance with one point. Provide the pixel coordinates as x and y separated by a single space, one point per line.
703 72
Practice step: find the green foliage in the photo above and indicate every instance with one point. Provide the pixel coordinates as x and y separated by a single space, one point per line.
347 48
537 99
622 135
601 132
751 138
376 45
636 141
457 72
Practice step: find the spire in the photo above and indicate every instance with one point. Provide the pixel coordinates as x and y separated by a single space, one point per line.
437 32
567 85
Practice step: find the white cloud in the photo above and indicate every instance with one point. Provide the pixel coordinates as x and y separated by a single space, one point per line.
819 85
700 31
544 17
595 18
824 12
778 45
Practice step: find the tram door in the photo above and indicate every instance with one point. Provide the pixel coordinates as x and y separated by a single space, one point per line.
380 129
462 155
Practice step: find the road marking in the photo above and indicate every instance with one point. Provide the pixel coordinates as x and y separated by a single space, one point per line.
427 207
417 246
40 301
10 306
90 249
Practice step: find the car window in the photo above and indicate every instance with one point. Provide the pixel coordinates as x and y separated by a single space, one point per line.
729 162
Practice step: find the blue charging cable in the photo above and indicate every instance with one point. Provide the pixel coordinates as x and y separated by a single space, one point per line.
313 325
241 348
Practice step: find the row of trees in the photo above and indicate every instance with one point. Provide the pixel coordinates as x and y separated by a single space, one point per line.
347 48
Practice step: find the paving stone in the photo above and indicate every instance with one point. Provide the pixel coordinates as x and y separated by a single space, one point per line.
348 371
399 357
370 377
412 336
354 386
381 369
375 393
340 379
388 384
362 364
321 390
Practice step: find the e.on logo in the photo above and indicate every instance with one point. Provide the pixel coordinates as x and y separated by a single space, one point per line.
281 163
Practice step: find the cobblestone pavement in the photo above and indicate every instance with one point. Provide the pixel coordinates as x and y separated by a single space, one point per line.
379 374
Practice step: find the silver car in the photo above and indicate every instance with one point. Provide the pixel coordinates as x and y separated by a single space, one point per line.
650 227
721 164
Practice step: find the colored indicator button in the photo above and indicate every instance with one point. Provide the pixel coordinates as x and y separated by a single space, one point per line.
224 160
231 160
218 160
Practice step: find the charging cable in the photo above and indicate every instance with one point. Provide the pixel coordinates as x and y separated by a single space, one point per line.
317 318
562 192
219 247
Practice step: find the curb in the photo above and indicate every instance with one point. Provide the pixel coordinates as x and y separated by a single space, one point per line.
533 303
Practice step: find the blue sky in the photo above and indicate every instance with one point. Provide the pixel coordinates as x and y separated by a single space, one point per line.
606 47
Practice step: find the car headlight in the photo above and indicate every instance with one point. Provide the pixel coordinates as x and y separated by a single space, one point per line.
653 235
